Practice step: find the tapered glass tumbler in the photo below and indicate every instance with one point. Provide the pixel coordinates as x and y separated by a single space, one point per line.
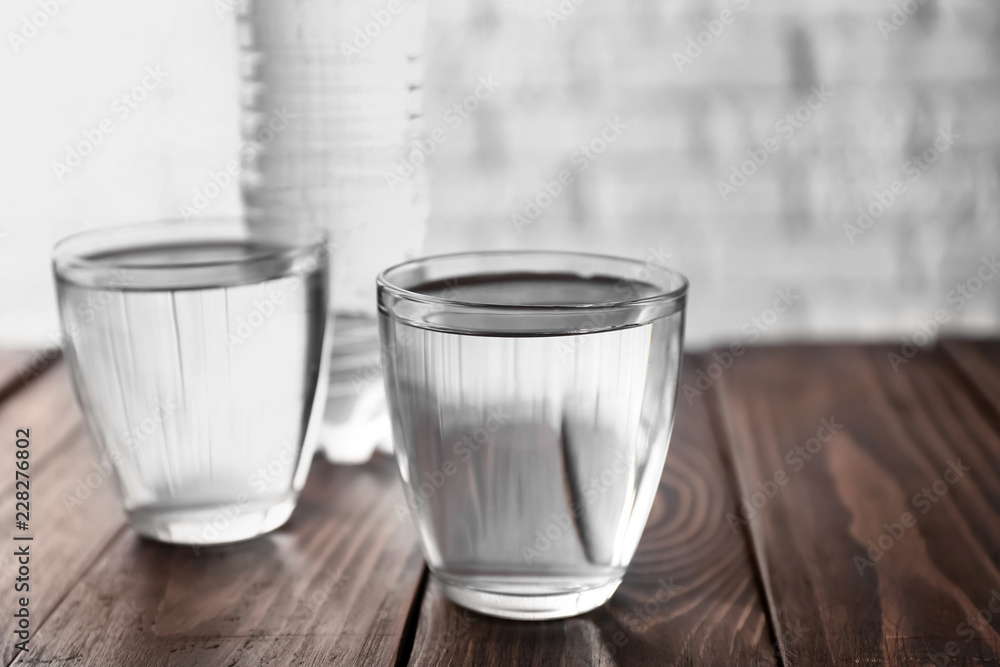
532 398
199 357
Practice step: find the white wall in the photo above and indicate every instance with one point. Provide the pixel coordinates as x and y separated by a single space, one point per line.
63 83
655 189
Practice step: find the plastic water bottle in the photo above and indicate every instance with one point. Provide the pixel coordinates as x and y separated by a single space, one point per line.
331 100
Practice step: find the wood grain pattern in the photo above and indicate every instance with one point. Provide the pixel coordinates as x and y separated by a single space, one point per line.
824 569
980 361
18 368
47 406
73 512
332 587
690 596
873 544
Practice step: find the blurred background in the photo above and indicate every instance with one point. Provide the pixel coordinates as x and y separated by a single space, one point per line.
840 156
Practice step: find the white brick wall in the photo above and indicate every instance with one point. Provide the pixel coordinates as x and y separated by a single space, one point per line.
655 187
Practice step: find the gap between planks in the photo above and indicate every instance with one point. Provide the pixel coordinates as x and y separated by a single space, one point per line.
408 637
727 453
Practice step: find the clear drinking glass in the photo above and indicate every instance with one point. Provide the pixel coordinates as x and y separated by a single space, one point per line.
532 397
199 356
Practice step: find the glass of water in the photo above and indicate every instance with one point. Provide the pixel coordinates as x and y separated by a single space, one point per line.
532 398
199 357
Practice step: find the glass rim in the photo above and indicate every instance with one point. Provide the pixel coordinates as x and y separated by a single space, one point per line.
72 255
666 296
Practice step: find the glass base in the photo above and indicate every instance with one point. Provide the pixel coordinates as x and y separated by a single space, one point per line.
524 599
212 524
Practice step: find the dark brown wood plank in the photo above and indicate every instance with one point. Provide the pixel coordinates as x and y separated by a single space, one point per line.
849 547
47 406
73 512
12 364
980 361
334 586
18 368
690 596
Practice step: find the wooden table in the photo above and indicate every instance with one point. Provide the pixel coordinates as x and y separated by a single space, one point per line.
849 549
